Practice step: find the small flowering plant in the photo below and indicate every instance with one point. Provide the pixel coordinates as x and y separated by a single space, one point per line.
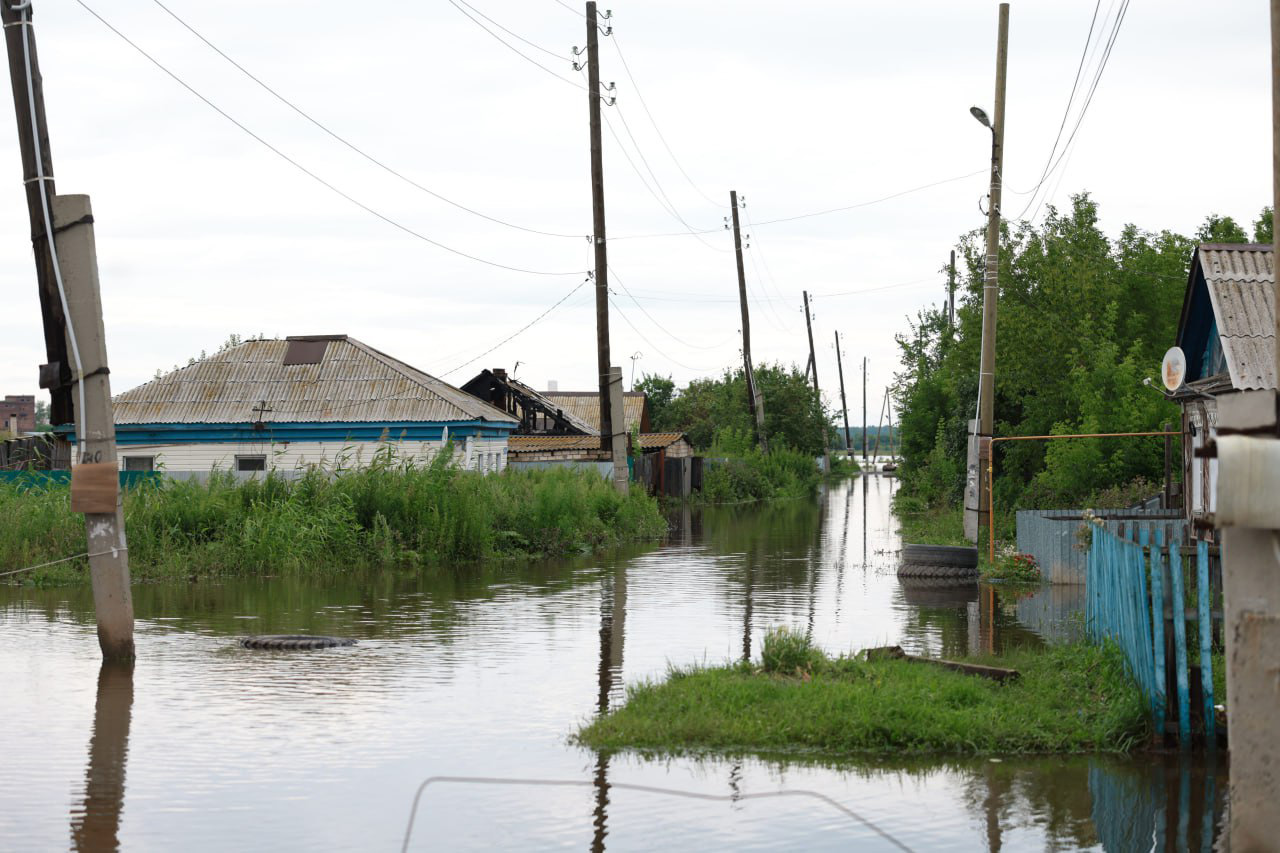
1012 566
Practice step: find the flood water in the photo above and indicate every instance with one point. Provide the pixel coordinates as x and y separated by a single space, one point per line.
455 708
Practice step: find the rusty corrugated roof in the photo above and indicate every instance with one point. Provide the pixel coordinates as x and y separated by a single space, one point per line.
353 382
585 406
1241 283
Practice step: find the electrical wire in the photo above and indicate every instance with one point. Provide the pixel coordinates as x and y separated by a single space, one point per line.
1102 67
315 177
570 8
655 347
367 156
519 331
826 212
613 276
1066 112
25 22
777 291
514 35
515 49
636 87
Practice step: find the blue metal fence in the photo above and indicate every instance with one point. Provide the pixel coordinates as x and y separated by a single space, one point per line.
1140 595
1052 536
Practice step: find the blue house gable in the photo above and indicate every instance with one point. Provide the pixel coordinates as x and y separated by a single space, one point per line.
1227 326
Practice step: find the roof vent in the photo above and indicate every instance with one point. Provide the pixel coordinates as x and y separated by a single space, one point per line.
305 352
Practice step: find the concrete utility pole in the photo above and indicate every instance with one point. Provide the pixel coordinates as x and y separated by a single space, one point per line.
603 365
754 398
68 265
864 410
1247 511
37 175
977 500
844 405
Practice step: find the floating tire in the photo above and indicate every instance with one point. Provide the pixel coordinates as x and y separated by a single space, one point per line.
294 642
955 573
940 555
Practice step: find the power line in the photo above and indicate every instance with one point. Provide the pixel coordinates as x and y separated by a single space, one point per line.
655 347
831 210
777 291
551 53
521 330
614 276
1102 66
515 49
570 8
291 105
395 224
636 86
1066 112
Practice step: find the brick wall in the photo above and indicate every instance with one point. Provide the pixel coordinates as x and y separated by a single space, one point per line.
21 405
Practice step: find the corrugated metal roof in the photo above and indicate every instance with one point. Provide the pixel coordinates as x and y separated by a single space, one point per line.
585 406
353 382
1241 283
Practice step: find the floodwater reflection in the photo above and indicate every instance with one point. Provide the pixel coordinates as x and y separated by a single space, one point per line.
95 818
484 671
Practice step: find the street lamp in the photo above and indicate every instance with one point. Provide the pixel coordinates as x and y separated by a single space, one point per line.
981 115
634 358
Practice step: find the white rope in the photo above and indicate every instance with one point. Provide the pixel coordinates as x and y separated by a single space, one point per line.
113 552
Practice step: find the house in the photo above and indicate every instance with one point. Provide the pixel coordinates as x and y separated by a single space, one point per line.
326 400
537 414
585 406
1227 332
18 414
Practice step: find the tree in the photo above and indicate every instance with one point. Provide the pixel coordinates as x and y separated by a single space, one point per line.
1263 231
659 390
1220 229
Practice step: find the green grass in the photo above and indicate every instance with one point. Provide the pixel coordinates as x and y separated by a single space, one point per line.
1070 699
753 476
392 514
930 526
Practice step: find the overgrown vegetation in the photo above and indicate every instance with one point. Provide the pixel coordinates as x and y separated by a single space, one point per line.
735 471
1083 320
1012 567
1074 698
393 513
934 525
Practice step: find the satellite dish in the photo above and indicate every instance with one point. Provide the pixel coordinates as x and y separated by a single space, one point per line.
1174 368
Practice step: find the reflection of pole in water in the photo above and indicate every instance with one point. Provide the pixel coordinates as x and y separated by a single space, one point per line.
613 618
95 824
864 519
746 611
844 550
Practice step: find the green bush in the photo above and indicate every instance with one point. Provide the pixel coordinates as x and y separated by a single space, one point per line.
788 652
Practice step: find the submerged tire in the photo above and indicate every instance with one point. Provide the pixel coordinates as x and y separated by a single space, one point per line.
940 555
294 642
954 573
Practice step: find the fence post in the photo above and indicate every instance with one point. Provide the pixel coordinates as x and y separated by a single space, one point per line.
1205 599
1179 602
1157 629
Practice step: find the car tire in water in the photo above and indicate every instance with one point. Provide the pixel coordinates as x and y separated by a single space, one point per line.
938 561
294 642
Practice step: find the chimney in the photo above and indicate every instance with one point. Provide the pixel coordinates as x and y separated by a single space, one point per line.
499 373
553 385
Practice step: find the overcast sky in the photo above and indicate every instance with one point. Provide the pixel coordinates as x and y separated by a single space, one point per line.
203 231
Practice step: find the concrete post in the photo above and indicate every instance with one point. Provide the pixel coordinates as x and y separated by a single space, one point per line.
618 442
108 552
1251 605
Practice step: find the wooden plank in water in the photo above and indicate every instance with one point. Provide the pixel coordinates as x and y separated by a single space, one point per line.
995 673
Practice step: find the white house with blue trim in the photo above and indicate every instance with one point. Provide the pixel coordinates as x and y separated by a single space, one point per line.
314 400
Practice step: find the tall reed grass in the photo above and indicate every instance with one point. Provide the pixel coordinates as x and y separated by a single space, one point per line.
394 513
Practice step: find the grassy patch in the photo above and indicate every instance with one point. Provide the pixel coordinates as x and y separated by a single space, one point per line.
754 476
387 515
931 526
1070 699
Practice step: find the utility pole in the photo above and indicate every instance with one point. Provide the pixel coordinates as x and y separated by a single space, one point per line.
951 291
813 359
37 175
1248 462
68 263
864 410
977 498
843 404
754 398
603 365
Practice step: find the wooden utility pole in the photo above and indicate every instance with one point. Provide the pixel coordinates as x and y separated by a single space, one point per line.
603 365
813 359
69 264
37 174
864 410
980 454
951 291
754 398
844 405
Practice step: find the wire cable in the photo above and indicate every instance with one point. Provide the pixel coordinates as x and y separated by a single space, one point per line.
366 155
315 177
636 87
613 276
519 331
515 49
514 35
655 347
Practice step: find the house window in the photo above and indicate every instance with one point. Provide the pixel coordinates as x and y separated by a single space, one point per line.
251 463
139 463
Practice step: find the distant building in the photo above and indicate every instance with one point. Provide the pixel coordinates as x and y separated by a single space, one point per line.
325 400
18 410
1227 332
585 406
